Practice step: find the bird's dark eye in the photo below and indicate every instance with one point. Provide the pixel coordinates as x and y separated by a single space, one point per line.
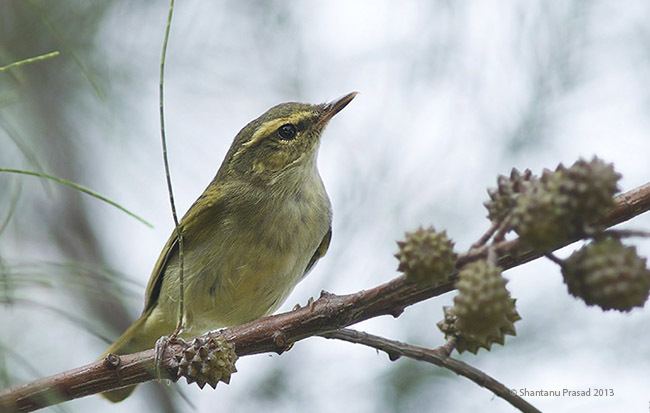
287 132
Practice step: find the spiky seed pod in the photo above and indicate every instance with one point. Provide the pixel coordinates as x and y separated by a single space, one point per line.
564 201
426 257
503 197
589 186
207 361
608 274
483 311
542 218
448 326
468 343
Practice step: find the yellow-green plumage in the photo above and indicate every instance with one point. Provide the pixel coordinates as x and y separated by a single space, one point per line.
254 233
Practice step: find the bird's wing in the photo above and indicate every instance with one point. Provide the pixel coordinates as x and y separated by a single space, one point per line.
155 281
320 252
192 223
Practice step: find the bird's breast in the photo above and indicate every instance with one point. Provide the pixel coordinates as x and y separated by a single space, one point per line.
248 268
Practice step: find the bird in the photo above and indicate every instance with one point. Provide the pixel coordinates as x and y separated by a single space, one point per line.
257 230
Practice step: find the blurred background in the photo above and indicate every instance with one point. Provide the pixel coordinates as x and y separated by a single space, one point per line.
452 94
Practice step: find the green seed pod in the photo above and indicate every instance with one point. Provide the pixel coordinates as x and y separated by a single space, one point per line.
564 202
483 311
503 197
608 274
543 218
426 256
594 185
589 186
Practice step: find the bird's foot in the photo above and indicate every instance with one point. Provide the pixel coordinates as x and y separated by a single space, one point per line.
161 345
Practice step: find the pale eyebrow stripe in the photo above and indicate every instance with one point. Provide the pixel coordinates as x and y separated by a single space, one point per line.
274 124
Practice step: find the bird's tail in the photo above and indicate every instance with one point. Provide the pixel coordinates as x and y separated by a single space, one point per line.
134 339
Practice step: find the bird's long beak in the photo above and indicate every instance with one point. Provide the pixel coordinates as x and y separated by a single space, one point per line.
332 108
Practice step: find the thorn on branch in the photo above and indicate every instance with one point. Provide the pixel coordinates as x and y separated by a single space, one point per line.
112 361
325 294
397 311
393 356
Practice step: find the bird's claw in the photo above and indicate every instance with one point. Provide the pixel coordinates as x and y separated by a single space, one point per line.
161 345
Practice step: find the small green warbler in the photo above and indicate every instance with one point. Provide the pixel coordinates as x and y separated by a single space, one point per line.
258 228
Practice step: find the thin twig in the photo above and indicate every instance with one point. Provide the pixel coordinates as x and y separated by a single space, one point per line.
492 254
436 357
486 235
504 228
179 232
79 188
34 59
448 347
554 258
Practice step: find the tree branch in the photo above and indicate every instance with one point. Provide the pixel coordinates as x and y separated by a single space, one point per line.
277 333
438 357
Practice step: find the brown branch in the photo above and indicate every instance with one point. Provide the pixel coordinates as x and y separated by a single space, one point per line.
277 333
439 357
